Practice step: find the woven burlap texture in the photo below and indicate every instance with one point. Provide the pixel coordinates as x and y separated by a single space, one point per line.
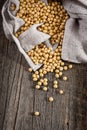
75 37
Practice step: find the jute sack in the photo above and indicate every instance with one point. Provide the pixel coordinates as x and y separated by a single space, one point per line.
27 40
75 37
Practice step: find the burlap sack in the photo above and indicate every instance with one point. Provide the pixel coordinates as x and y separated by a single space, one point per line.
27 40
75 37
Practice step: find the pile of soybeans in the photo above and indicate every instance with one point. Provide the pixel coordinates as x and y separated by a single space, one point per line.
54 17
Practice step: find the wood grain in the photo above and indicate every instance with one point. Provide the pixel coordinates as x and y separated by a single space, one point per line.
18 98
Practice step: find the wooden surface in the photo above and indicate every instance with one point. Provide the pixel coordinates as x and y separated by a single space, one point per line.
18 98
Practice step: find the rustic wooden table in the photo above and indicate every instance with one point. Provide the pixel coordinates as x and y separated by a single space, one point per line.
18 98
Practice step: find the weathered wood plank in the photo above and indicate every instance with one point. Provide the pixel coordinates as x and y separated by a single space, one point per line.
3 74
41 103
24 116
49 105
78 99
